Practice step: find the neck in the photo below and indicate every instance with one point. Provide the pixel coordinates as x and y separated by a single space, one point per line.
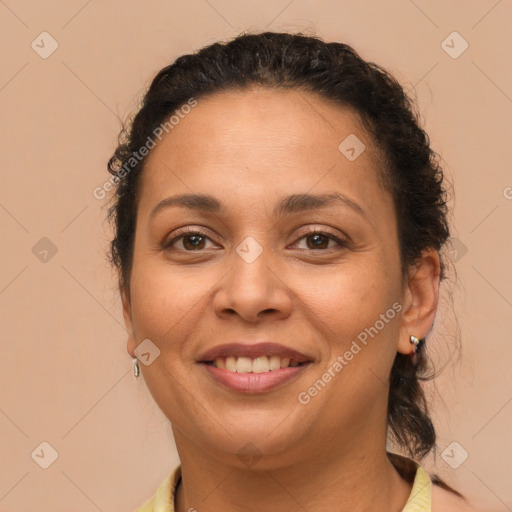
355 480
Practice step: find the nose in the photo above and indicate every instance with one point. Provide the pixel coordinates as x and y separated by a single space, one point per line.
253 291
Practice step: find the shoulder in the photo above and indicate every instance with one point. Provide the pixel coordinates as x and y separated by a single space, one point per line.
446 501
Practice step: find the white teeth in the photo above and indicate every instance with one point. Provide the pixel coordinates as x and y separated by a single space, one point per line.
261 364
243 365
275 362
230 364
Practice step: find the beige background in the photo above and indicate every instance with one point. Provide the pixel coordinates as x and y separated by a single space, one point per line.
66 378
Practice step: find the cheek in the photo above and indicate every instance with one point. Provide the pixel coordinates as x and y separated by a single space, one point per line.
351 311
165 308
346 299
164 298
359 325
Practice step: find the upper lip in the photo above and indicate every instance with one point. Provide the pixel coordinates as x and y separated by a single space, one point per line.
253 351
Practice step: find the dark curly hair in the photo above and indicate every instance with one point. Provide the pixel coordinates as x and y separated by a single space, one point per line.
334 71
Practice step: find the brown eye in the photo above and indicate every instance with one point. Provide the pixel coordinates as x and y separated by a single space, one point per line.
188 242
317 241
193 242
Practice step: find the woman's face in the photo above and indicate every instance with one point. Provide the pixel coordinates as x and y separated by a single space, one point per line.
249 269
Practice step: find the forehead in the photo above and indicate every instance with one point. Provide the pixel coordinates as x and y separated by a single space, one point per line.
263 142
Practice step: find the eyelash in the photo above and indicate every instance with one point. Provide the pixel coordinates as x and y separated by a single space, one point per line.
194 231
183 233
341 243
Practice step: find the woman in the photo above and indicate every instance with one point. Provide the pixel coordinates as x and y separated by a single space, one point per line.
279 218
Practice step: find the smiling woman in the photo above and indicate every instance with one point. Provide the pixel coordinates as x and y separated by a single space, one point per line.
261 245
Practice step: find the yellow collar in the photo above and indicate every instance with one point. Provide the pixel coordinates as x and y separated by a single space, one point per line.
163 500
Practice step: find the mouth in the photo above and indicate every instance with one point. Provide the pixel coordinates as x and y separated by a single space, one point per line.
253 368
262 364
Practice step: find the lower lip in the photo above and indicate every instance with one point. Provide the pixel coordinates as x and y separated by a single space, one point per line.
254 382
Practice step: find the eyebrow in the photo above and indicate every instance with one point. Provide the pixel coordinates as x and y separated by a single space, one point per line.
301 202
201 202
287 205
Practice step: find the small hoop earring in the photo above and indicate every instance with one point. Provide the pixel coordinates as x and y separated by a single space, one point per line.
417 342
136 367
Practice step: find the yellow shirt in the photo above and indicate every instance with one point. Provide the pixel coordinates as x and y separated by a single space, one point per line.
163 500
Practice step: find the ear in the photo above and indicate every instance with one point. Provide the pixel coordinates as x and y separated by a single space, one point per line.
420 300
127 314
